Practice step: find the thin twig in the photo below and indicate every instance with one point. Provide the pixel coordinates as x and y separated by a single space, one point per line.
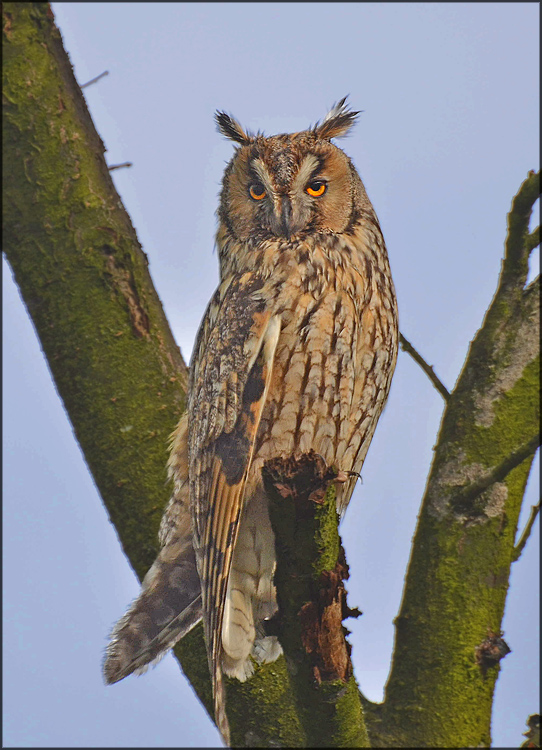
466 497
520 546
120 166
94 80
407 347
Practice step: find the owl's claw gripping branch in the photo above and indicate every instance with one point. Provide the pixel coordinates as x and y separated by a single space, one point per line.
304 478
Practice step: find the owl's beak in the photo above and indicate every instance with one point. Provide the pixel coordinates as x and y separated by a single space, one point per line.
286 216
282 217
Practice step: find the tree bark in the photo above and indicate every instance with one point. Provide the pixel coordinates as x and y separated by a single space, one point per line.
121 377
440 689
85 282
311 568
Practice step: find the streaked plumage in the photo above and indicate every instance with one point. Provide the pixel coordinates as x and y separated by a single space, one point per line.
295 352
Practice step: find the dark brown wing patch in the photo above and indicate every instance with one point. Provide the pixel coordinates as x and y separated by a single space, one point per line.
235 349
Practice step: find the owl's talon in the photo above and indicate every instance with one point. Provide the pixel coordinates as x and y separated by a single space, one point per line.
344 476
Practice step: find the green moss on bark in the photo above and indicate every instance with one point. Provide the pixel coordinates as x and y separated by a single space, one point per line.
85 282
438 694
261 711
312 601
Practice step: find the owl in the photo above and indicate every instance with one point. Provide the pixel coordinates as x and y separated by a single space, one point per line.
295 352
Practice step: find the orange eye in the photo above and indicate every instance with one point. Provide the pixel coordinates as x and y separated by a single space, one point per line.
257 191
316 188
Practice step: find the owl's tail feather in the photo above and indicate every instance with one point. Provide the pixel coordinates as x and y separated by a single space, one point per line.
167 608
220 706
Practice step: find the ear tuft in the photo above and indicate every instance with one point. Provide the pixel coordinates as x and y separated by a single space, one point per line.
230 128
337 122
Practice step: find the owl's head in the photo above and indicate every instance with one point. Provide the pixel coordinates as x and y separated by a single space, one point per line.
290 185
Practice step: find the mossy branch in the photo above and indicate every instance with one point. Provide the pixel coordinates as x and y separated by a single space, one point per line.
533 732
464 500
532 240
519 243
458 574
311 568
85 281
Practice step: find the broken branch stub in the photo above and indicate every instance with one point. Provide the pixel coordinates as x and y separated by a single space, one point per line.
310 574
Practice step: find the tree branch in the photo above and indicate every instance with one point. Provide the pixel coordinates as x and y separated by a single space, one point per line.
463 501
407 347
533 240
457 579
120 166
533 733
311 568
95 80
520 546
519 243
85 281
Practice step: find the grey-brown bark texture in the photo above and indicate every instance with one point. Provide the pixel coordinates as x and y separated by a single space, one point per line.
85 282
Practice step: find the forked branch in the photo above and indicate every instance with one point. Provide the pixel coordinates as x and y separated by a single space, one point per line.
519 242
533 239
465 498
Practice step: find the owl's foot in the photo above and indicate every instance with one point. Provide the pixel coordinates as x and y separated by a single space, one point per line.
344 476
266 649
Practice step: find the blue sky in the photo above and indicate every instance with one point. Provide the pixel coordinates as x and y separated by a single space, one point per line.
449 93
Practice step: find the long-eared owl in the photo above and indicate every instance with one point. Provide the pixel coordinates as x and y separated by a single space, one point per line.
295 352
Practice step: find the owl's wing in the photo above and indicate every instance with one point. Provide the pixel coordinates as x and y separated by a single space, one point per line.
231 372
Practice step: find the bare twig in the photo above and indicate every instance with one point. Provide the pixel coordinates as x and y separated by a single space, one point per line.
407 347
120 166
520 546
466 497
95 80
